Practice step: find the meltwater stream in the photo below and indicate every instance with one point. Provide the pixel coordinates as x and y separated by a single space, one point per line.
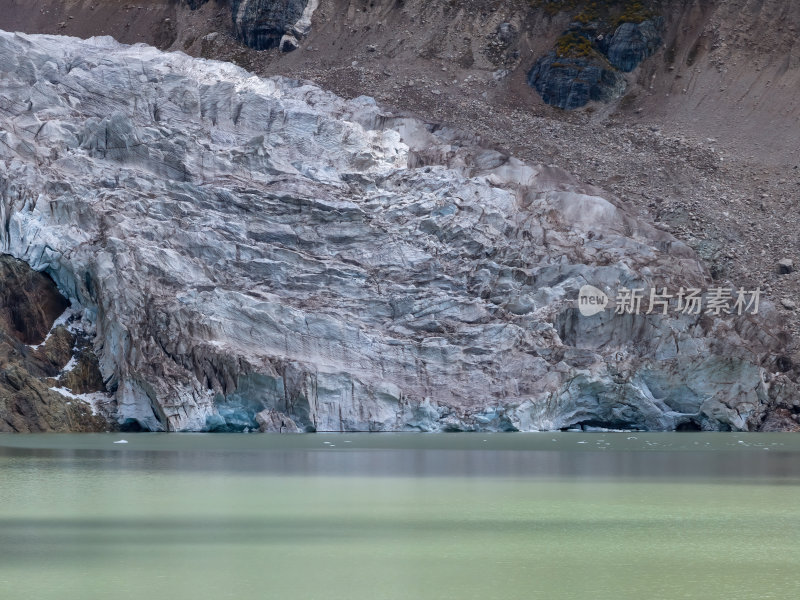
601 516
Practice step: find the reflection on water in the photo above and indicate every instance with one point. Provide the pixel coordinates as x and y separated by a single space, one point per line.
713 457
557 516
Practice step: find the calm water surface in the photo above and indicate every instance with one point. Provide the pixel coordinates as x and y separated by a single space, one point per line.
400 516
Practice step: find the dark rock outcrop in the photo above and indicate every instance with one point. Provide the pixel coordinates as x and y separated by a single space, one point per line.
261 24
570 83
632 43
29 301
589 59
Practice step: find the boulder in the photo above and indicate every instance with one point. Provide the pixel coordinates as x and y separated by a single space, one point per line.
272 421
570 83
632 43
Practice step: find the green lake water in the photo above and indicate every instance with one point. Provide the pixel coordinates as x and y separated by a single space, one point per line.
601 516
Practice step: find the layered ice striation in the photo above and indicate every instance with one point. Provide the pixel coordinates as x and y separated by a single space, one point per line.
243 245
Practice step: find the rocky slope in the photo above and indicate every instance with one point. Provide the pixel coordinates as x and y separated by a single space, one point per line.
48 374
258 252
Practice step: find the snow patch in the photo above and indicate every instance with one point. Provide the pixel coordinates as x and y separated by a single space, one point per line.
93 399
73 362
65 317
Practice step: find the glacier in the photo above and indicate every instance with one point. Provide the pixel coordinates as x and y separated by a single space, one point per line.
251 251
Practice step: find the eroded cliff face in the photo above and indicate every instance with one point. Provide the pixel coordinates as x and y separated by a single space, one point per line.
239 245
40 388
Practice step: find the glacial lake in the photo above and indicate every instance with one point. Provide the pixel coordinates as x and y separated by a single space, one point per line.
551 516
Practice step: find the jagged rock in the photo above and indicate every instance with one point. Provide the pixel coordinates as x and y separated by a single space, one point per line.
57 349
27 405
570 83
29 305
83 377
263 24
785 266
633 42
29 302
241 244
780 420
276 422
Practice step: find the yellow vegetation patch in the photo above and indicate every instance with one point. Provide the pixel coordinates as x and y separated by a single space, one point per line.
574 45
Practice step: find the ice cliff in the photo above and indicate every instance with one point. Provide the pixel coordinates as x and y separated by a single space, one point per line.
249 247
